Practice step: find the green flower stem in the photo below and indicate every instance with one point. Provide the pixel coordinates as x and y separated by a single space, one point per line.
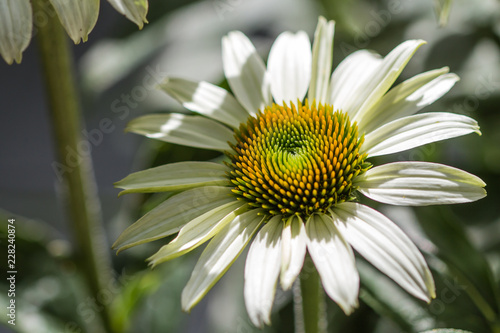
312 302
80 189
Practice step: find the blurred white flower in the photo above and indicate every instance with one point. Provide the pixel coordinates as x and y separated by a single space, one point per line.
77 16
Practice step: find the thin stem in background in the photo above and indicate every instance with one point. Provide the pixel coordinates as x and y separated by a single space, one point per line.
79 187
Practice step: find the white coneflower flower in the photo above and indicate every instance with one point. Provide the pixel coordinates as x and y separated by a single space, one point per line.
295 168
77 16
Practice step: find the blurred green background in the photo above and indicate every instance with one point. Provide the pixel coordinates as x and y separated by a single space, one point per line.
115 70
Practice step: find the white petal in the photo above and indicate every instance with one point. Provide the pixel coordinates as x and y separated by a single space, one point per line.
134 10
349 82
294 241
384 245
408 97
289 67
206 99
174 177
198 231
77 17
334 260
194 131
420 184
322 52
385 75
417 130
219 255
16 23
364 77
171 215
245 72
262 268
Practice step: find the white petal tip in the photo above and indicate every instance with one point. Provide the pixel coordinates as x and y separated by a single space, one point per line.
153 261
186 308
134 10
286 283
427 293
234 34
11 59
77 39
140 24
427 296
432 294
322 20
454 76
413 44
349 307
187 304
260 320
444 69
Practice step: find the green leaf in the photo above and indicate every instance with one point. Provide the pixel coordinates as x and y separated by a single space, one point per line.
15 28
387 299
77 17
135 289
169 217
443 8
134 10
174 177
465 262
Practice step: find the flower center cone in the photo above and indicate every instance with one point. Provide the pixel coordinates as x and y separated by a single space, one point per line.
296 160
